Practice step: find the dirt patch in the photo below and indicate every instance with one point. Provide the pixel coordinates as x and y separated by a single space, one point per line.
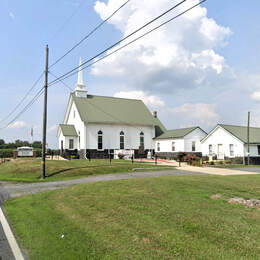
248 203
216 196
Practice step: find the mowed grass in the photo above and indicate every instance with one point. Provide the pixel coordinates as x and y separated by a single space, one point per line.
29 170
153 218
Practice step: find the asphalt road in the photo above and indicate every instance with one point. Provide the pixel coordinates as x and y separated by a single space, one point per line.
5 250
249 169
11 190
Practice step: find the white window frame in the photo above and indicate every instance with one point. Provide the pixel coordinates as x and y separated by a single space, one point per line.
210 149
193 143
100 134
71 141
231 151
173 147
122 134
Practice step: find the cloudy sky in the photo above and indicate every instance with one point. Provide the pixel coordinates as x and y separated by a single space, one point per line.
201 69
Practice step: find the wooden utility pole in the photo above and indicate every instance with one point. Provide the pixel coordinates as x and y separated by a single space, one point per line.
45 113
248 141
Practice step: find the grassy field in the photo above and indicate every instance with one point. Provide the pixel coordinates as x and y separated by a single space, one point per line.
29 170
157 218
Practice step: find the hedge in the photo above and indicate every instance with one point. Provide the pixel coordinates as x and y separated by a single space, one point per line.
6 153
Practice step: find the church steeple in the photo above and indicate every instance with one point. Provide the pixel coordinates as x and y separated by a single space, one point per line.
80 88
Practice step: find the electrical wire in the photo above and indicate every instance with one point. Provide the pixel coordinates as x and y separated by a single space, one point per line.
138 38
89 34
22 100
120 41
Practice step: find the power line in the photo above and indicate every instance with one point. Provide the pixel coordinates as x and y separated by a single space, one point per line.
62 77
66 85
38 94
89 34
67 20
138 38
22 100
125 38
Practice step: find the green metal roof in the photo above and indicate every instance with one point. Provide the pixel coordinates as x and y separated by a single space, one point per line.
241 133
176 133
68 130
99 109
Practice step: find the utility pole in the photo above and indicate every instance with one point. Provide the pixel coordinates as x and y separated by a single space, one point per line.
248 141
45 113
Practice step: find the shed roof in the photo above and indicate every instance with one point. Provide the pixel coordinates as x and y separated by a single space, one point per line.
68 130
241 133
176 133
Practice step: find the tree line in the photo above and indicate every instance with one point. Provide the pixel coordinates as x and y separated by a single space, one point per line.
19 143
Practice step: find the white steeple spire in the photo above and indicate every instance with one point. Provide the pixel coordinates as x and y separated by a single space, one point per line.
80 88
80 73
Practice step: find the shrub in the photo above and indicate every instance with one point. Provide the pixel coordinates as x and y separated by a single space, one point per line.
196 163
238 160
221 162
212 163
6 153
121 156
227 162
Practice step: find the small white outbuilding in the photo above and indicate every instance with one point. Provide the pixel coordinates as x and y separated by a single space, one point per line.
180 140
25 151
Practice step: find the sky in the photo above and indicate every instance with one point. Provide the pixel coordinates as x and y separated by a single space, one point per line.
201 69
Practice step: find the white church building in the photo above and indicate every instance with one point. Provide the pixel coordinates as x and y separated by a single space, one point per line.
96 126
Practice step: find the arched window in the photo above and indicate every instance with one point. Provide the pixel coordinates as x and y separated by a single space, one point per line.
122 140
100 140
142 139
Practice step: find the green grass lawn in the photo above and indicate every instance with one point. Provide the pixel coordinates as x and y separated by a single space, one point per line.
157 218
29 170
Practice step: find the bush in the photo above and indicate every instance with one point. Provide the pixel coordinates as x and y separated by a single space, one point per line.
227 162
238 160
121 156
6 153
221 162
212 163
196 163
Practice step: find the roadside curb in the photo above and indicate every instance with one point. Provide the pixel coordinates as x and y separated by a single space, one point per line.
10 236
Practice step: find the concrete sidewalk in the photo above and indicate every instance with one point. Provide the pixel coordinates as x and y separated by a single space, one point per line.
216 171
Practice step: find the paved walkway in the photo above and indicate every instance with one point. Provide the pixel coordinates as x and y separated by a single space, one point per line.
219 171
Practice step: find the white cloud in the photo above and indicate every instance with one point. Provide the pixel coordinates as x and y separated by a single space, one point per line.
179 55
12 16
18 125
256 96
52 129
152 101
198 114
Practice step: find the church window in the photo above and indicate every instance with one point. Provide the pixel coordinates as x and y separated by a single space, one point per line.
122 140
193 146
100 140
173 146
71 144
142 139
74 113
158 147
